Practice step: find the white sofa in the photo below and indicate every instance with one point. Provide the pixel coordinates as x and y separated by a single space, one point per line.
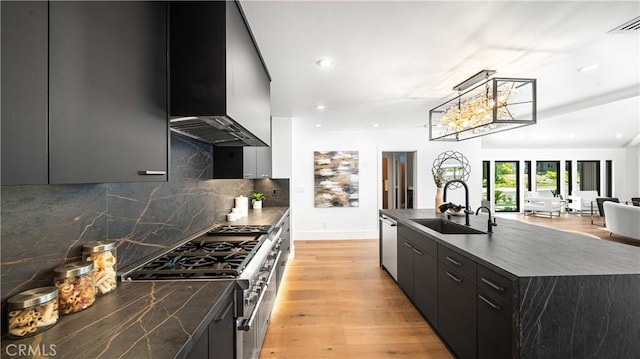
622 219
581 201
534 203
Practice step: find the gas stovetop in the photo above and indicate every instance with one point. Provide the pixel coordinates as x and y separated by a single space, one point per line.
205 257
240 229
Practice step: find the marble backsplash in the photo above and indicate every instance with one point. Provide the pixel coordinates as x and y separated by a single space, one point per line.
45 226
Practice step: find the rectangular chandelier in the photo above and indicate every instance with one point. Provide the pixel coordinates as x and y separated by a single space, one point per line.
496 105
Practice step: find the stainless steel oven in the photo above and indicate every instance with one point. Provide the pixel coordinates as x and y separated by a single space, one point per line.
258 300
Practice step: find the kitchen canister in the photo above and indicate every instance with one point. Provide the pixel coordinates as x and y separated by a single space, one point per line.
76 291
32 312
104 258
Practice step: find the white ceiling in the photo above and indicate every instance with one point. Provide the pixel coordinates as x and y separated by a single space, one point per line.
395 60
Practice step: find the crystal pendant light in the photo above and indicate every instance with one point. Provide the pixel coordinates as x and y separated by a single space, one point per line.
497 104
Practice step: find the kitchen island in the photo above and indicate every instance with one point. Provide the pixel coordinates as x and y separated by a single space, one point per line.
147 319
523 291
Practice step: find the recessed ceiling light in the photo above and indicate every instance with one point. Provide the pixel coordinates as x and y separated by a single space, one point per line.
320 107
619 135
376 125
325 62
588 68
571 135
318 125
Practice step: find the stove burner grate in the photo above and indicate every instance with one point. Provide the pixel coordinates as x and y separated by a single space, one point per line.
240 229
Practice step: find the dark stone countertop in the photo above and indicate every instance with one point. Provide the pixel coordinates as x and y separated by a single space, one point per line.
525 250
266 215
137 320
156 320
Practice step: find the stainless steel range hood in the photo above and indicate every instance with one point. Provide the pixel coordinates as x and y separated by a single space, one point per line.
219 131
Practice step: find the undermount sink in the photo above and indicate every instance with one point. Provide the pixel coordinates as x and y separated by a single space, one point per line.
446 227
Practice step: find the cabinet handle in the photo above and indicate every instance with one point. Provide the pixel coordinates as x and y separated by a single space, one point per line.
224 312
247 175
417 251
408 245
454 261
456 279
490 303
492 285
152 173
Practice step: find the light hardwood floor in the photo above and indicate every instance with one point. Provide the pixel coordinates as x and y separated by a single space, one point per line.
576 223
336 302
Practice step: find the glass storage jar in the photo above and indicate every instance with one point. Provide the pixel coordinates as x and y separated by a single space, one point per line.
32 312
104 257
75 287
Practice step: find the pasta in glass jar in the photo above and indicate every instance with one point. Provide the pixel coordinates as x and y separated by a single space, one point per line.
104 258
75 287
32 312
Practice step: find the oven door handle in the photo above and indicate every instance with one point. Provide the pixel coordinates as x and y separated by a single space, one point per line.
246 324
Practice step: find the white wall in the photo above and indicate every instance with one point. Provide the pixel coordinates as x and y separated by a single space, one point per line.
625 164
362 222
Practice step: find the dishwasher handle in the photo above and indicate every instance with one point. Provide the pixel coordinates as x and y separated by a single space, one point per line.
388 221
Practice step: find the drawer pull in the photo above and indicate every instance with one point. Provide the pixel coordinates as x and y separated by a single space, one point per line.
456 279
455 262
152 173
490 303
408 245
417 251
492 285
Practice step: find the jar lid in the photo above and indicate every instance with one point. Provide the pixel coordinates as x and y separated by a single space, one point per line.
73 269
98 246
32 297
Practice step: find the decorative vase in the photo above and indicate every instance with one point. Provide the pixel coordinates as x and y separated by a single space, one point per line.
438 199
257 204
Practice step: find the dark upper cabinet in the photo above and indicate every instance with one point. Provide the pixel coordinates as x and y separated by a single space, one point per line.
24 92
241 162
108 118
217 71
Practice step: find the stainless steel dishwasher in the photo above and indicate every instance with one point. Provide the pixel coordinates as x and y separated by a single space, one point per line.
389 245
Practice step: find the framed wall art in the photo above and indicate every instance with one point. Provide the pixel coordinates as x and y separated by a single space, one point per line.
336 182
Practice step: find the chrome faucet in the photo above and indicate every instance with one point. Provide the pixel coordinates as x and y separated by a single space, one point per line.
467 211
490 224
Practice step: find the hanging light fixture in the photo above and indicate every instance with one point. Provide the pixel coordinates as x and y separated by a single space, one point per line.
496 105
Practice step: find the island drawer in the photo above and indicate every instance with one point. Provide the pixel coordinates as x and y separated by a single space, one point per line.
458 262
494 284
420 240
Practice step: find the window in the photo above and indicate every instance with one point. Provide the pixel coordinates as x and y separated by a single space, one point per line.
527 175
609 178
547 179
588 173
485 180
505 194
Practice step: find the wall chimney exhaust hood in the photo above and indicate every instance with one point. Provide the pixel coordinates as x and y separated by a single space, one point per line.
219 83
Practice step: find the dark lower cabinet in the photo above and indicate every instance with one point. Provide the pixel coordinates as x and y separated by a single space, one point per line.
405 266
218 340
425 290
457 312
495 326
418 271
